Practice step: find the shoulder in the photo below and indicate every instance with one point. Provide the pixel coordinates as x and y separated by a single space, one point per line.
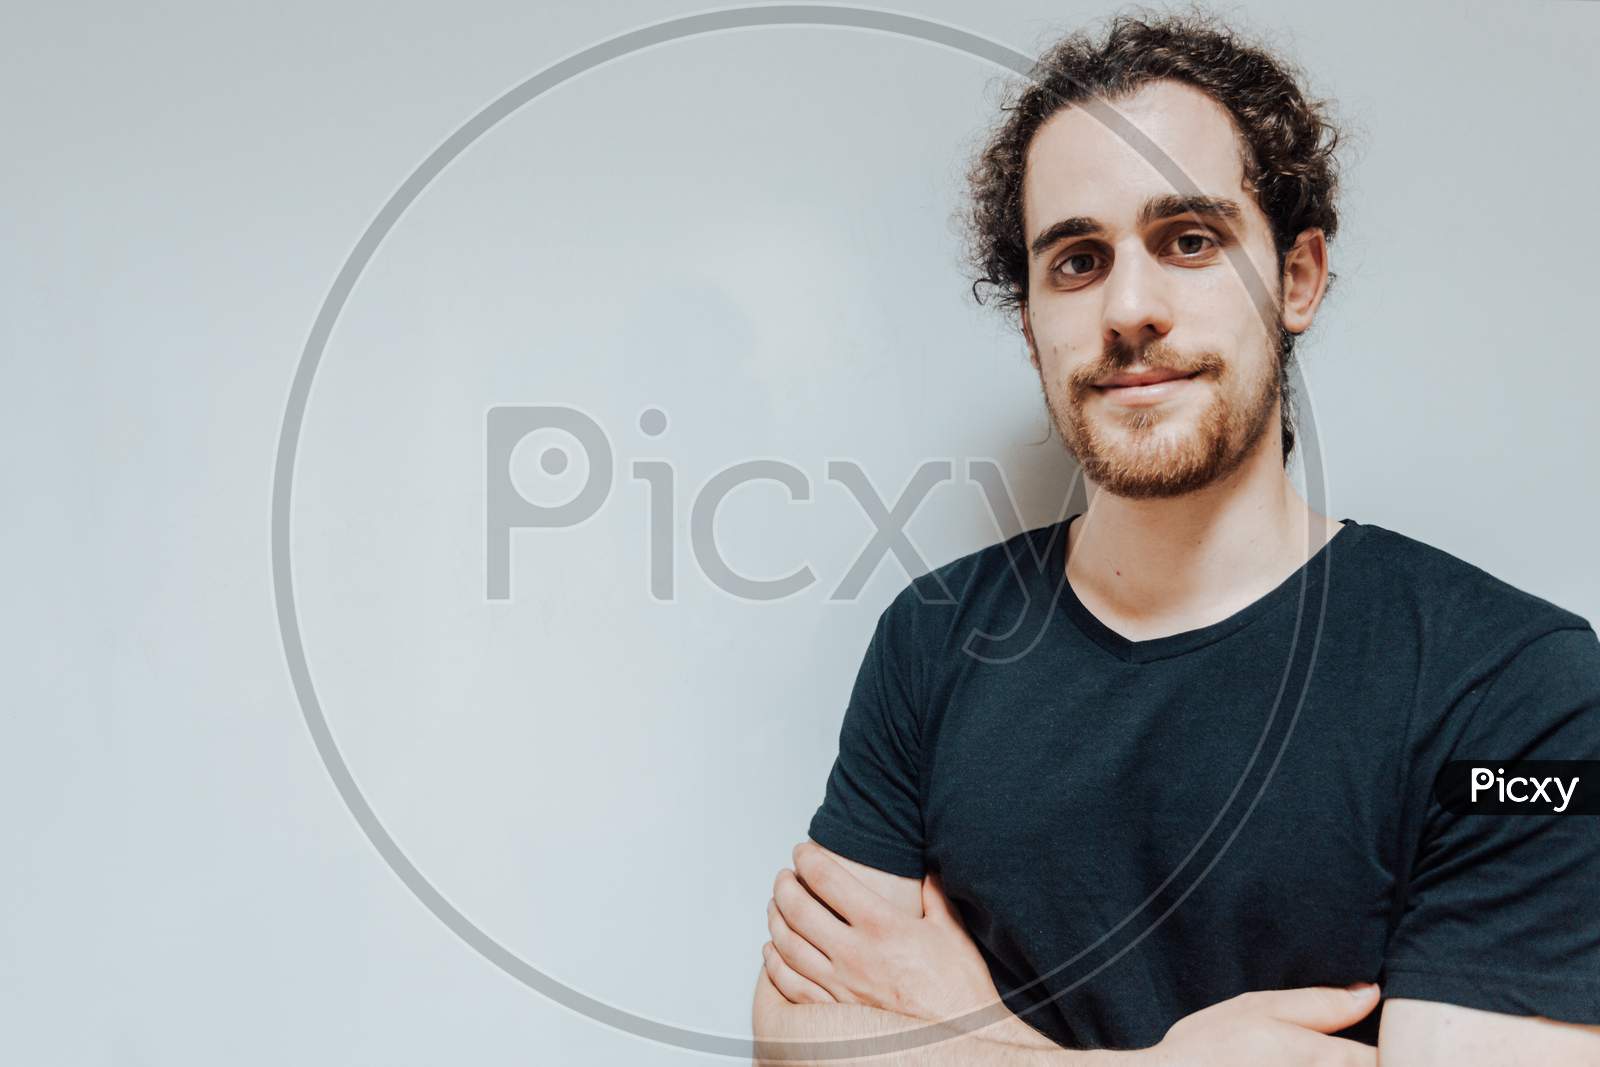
992 582
1463 612
1485 658
1446 580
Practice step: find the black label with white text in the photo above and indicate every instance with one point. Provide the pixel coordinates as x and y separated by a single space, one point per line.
1519 787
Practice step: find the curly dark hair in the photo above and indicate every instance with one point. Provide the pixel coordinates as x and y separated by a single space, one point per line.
1287 142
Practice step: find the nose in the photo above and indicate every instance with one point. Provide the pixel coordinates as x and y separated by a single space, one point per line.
1137 307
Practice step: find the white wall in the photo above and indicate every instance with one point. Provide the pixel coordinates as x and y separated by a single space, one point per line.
748 230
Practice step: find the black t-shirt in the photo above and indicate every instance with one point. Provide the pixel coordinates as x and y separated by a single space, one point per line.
1135 830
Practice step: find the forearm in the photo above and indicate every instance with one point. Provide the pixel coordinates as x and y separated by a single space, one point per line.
788 1033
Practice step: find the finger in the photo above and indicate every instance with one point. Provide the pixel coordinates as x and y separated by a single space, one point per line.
795 988
838 888
1320 1008
806 916
801 955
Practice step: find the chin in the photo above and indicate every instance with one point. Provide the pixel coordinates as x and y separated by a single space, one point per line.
1161 462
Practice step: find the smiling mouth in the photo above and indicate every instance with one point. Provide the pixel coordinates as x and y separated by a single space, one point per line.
1144 381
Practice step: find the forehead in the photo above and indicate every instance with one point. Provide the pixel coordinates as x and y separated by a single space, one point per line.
1077 165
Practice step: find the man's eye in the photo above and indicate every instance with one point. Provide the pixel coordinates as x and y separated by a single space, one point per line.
1204 240
1086 260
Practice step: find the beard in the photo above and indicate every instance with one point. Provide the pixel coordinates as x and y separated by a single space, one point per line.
1155 452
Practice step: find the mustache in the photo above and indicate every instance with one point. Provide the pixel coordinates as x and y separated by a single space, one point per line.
1157 355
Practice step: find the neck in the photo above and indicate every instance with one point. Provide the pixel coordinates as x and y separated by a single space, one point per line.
1155 566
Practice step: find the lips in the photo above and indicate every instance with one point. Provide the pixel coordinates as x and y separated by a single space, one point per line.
1149 377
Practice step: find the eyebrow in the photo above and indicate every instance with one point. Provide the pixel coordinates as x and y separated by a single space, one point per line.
1154 209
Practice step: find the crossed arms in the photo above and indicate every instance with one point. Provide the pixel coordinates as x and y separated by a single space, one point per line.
858 953
931 972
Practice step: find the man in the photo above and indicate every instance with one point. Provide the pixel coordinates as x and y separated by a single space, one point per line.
1158 778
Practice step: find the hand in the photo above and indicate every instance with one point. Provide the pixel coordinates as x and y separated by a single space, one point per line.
1270 1028
850 945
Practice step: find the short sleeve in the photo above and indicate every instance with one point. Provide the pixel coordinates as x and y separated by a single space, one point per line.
871 810
1503 912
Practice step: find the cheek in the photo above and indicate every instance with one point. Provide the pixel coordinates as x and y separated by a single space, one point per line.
1064 341
1216 302
1243 291
1218 315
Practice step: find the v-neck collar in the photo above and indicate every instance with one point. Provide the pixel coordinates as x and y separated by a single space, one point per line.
1305 577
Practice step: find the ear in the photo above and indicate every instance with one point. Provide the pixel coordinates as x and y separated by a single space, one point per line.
1027 333
1305 279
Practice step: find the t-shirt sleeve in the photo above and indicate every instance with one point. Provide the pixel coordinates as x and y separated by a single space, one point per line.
871 809
1503 913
